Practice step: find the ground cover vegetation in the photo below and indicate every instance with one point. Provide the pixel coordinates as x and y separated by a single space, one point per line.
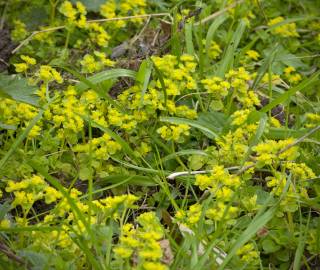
159 135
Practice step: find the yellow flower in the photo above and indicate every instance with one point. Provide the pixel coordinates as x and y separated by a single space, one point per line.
47 74
22 67
285 30
34 132
19 31
67 10
123 252
253 54
5 223
154 266
240 117
248 254
194 213
51 195
203 181
224 194
174 133
28 60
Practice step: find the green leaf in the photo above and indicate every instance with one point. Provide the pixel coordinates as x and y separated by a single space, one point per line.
93 85
4 209
91 5
184 153
106 75
176 120
265 65
216 121
212 30
196 162
286 95
227 61
188 37
284 133
143 77
269 246
17 88
137 180
85 173
5 126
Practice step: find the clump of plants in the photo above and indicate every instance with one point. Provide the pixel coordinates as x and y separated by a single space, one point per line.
160 135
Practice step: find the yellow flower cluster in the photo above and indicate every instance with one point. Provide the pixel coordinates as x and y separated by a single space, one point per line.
98 34
219 176
222 185
300 171
112 9
102 148
240 82
14 113
142 242
114 206
23 67
292 76
19 31
32 189
75 16
275 78
96 62
66 112
216 86
175 133
284 30
233 146
268 152
277 182
248 254
191 217
252 54
239 117
146 105
313 120
49 74
274 122
214 50
222 211
101 211
178 73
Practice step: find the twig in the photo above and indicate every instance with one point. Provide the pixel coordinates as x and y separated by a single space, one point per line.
4 249
176 174
315 129
220 12
24 42
2 61
130 17
136 37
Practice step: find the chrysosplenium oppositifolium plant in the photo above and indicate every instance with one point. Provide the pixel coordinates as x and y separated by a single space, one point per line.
158 135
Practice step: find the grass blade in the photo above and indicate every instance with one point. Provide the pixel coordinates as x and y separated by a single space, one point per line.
106 75
285 96
212 30
124 145
143 77
20 139
188 36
